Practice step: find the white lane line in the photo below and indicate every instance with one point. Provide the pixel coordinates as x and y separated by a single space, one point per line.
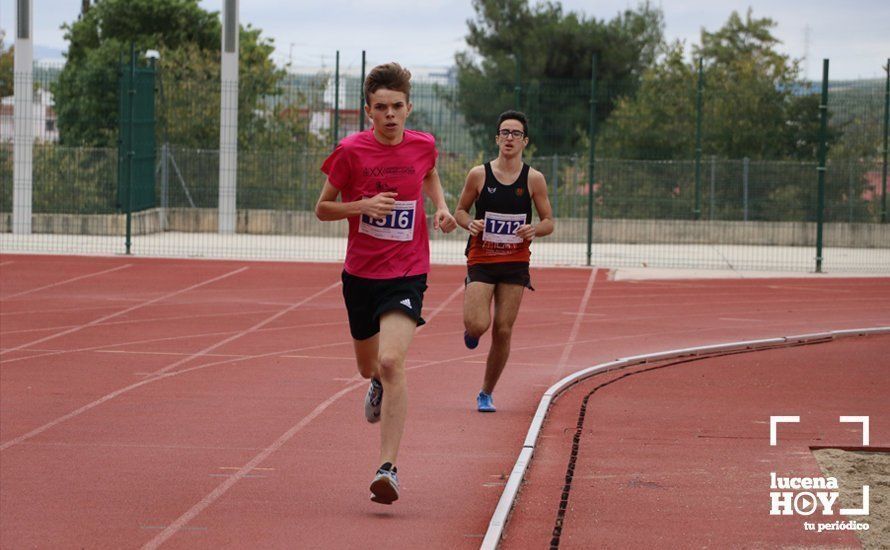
505 504
246 331
222 488
441 306
227 314
66 281
157 375
47 353
581 314
576 326
331 358
115 445
182 521
176 353
31 434
516 363
59 309
809 288
122 312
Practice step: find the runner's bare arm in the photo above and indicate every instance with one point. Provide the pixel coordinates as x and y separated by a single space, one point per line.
328 208
468 196
432 186
537 186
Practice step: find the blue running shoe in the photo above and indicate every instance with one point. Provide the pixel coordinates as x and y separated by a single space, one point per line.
484 404
469 341
373 401
385 487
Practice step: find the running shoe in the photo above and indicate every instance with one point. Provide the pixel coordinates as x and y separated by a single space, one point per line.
385 487
469 341
373 400
484 404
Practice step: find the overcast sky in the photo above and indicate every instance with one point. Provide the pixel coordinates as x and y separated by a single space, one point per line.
854 34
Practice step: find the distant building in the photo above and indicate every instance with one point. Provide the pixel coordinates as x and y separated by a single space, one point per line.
874 187
42 117
322 122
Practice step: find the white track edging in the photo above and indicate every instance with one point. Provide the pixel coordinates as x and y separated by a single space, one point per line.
511 490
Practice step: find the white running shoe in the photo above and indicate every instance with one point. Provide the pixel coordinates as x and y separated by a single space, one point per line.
373 401
385 487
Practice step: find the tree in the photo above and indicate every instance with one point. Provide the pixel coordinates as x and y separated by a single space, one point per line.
552 50
86 94
656 121
188 38
751 107
190 99
7 60
754 106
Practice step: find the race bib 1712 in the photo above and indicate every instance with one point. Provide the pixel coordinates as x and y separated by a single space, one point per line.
501 228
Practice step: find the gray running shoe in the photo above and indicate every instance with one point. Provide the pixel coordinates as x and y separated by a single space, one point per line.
385 487
373 401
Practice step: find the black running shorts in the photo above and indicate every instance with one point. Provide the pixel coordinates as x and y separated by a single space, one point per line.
514 273
368 299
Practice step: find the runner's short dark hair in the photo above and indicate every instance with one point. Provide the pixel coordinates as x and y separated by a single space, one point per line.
514 115
391 76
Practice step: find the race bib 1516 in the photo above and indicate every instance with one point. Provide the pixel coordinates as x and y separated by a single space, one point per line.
397 226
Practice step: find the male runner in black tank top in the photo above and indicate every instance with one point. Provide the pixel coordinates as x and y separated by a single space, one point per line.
498 253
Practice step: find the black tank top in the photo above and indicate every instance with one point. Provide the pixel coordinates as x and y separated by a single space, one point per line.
504 208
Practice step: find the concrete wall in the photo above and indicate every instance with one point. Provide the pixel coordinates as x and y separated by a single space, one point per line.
281 222
255 222
845 235
143 223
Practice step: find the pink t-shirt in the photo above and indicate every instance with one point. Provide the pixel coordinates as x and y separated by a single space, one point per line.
361 166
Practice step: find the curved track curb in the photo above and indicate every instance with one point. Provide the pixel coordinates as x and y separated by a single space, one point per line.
511 490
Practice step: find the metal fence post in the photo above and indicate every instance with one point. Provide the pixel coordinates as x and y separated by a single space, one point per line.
590 160
745 162
131 97
884 165
517 89
23 125
305 199
337 100
850 191
555 172
713 186
823 146
361 95
696 213
165 185
229 78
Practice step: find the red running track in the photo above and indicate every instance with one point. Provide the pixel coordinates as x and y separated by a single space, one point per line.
677 453
202 404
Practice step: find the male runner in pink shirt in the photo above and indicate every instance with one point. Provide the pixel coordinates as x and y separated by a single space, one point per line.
379 174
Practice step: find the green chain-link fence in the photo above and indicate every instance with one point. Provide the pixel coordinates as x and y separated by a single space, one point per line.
757 210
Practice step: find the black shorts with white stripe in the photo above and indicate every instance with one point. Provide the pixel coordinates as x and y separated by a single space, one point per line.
368 299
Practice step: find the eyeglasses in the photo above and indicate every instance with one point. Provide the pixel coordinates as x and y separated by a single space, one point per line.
518 134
